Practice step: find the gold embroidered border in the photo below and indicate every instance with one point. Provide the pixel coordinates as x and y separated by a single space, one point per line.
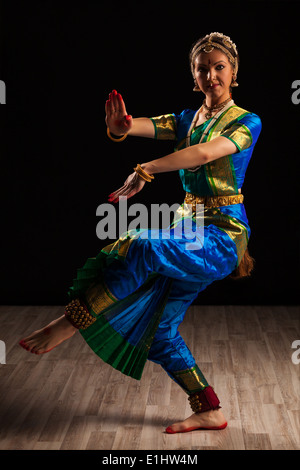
98 297
239 235
191 380
220 173
234 229
165 127
213 201
220 176
240 135
225 120
120 247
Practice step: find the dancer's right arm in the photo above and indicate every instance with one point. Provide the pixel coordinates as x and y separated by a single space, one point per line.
120 123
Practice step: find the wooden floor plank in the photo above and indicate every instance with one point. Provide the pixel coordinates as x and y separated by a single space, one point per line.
70 399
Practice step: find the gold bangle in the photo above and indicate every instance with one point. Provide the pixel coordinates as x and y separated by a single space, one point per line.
143 174
143 177
116 140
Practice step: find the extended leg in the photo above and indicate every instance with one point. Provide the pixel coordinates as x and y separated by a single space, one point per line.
118 281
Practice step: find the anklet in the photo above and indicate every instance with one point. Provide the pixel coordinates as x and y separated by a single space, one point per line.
204 400
78 314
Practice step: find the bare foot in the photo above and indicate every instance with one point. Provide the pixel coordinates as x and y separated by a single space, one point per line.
212 419
44 340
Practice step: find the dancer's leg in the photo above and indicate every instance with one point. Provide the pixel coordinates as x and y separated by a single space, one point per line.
170 351
120 278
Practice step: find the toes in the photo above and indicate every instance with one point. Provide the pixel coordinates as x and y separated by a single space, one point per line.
169 430
26 346
23 344
34 350
37 350
174 428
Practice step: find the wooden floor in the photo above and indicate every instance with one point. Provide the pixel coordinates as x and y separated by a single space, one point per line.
70 399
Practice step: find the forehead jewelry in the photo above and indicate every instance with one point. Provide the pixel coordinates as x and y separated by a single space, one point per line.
209 44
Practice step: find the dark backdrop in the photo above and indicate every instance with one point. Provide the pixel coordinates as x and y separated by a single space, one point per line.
60 60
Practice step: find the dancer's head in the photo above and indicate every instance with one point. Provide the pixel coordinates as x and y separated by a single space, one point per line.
214 59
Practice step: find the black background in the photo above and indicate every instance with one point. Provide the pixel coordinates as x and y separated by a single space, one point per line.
60 60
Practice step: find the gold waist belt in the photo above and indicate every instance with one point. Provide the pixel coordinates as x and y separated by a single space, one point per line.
213 201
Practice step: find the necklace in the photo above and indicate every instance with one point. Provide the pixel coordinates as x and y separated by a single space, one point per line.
210 109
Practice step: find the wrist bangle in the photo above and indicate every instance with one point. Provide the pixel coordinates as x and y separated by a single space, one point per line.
143 174
114 139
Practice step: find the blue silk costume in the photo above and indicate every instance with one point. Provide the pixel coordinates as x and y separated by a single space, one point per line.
138 289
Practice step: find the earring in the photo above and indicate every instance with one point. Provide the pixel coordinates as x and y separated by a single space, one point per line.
196 87
234 83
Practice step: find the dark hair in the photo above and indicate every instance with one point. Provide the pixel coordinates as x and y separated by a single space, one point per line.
245 268
226 46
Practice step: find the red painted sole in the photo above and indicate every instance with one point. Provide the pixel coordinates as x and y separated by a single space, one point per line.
213 428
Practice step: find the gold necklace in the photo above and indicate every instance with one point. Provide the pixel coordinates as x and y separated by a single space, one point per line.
210 109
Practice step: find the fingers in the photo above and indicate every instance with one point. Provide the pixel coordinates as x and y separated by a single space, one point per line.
109 110
128 121
112 105
115 104
127 193
117 119
109 105
115 101
115 196
125 190
122 110
121 104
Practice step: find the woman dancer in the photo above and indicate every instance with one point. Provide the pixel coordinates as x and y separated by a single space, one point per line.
129 300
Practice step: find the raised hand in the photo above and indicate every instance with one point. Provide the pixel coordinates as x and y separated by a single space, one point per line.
117 119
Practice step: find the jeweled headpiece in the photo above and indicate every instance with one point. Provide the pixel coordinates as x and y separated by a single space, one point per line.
219 41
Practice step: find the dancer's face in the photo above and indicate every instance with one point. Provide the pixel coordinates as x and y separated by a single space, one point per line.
213 73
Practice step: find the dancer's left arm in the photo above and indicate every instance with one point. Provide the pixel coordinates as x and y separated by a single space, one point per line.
196 155
190 157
